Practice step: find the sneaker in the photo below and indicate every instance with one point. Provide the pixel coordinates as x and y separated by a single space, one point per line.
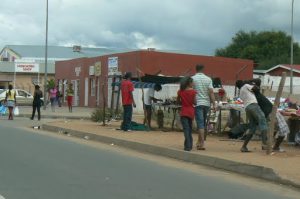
127 130
245 150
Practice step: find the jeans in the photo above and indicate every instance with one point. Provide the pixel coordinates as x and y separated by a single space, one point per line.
201 116
187 131
34 108
127 117
256 116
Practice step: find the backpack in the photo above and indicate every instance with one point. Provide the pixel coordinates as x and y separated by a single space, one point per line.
263 102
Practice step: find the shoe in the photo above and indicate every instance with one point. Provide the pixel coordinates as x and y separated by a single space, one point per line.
200 148
119 129
245 150
128 130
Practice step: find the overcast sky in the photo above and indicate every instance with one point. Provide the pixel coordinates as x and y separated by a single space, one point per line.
199 26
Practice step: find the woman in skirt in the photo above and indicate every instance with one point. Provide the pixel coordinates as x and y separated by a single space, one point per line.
11 101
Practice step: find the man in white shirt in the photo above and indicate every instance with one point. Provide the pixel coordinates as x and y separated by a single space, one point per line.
254 114
205 99
148 99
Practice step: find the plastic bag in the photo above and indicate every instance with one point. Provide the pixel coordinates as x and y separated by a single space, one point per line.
2 110
16 111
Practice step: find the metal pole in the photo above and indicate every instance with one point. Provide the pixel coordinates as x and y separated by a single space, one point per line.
46 60
292 49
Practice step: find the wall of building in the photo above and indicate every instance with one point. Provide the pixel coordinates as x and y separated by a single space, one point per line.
150 62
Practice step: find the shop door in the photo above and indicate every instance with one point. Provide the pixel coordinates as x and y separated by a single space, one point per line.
76 92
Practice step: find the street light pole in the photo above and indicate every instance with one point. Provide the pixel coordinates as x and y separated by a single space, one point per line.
46 60
292 49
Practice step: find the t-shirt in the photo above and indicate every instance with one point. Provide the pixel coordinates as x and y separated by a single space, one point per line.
202 84
247 95
187 102
148 94
11 97
53 92
126 90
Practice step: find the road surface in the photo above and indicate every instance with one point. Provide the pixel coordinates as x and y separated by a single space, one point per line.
38 165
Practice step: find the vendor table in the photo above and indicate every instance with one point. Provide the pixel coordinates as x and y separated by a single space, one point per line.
175 108
237 107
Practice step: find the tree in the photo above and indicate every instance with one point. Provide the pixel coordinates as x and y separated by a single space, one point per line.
266 48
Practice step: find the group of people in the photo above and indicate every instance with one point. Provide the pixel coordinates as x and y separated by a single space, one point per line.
128 102
196 98
54 96
258 109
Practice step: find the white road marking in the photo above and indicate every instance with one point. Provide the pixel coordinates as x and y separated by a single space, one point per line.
1 197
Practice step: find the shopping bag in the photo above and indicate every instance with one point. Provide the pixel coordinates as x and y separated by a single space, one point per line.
16 111
2 110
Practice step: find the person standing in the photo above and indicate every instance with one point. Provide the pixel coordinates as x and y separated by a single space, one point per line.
205 99
58 96
127 101
52 96
186 96
254 114
36 104
11 101
70 95
148 99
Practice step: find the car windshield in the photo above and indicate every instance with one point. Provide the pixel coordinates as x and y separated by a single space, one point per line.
1 91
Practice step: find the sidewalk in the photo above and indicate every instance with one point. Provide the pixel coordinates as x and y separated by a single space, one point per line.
279 167
60 112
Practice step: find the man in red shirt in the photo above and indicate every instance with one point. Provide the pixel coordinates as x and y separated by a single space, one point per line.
127 101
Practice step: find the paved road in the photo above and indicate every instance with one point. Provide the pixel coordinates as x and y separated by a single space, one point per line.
34 166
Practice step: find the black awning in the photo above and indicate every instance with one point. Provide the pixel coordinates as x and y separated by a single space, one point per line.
156 79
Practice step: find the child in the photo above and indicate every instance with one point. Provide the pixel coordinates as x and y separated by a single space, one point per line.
187 98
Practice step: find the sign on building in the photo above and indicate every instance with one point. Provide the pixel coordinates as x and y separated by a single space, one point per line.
98 68
92 70
77 71
112 65
27 67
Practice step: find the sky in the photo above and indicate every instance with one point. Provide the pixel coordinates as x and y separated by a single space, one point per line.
196 26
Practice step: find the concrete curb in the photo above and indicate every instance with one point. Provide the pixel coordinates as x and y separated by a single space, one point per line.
57 117
228 165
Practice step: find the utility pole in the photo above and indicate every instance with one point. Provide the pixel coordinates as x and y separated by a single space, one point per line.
292 49
46 60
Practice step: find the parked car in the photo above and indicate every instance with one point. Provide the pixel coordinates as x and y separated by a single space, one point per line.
23 97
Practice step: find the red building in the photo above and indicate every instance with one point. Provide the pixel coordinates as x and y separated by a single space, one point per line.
90 75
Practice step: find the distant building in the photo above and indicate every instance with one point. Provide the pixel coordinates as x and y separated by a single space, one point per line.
271 77
28 62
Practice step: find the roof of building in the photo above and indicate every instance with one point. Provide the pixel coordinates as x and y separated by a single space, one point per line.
59 52
296 68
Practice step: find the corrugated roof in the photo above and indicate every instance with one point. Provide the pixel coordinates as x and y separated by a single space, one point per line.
59 52
297 67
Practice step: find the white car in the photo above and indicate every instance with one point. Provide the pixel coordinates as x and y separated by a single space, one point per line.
23 97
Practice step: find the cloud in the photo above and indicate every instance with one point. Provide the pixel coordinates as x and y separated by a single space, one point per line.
190 25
